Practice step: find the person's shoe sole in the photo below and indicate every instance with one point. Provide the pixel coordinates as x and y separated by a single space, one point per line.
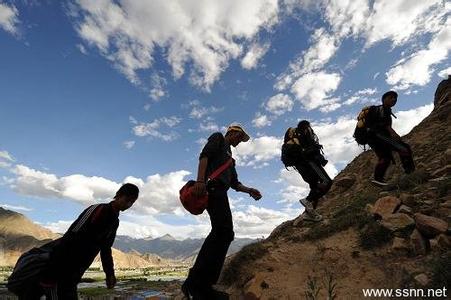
379 183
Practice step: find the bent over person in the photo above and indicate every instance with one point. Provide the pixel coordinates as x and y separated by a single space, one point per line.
209 262
374 127
63 262
301 150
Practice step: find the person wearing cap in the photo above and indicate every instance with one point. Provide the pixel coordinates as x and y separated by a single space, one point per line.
209 262
93 232
383 139
309 163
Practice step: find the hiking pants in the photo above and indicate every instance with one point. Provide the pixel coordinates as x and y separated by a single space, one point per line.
61 291
317 179
383 146
209 261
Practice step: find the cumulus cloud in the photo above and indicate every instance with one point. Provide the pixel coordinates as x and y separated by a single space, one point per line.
418 68
257 151
198 111
254 54
261 120
279 104
208 126
5 159
410 118
15 207
314 90
129 144
9 18
153 129
206 34
364 96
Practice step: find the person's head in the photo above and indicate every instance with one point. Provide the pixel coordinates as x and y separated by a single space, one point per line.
235 134
389 98
126 196
303 127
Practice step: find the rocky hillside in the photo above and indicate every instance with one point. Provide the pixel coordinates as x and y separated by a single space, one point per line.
397 237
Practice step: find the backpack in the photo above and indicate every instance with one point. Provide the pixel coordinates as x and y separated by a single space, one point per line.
291 148
363 123
29 267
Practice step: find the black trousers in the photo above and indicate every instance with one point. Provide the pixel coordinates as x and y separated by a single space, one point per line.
384 146
317 179
60 291
209 261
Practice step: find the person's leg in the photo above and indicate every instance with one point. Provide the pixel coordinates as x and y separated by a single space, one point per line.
67 290
324 183
406 157
383 153
31 292
209 261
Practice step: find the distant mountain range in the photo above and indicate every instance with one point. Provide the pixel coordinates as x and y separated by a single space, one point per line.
170 248
19 234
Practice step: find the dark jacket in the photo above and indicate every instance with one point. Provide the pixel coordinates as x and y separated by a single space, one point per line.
94 231
218 151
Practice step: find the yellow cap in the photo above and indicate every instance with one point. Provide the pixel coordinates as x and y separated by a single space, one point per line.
238 127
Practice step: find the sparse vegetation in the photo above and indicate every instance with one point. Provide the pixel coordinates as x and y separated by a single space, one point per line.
411 181
346 217
331 285
247 254
313 289
372 234
443 187
440 267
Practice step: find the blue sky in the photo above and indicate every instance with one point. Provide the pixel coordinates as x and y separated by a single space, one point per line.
97 93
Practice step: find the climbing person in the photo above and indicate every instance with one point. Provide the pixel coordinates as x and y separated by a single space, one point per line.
55 269
209 262
301 150
374 127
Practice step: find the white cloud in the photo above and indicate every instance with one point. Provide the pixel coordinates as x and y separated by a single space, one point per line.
279 104
362 97
9 18
153 129
257 151
208 126
15 207
5 159
198 111
313 90
399 21
82 49
261 120
158 84
255 53
129 144
445 73
206 33
60 226
408 119
418 68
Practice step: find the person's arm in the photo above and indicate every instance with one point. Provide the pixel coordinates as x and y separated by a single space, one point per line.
239 187
200 185
107 261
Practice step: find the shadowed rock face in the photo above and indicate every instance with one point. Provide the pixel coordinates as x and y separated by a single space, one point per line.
353 244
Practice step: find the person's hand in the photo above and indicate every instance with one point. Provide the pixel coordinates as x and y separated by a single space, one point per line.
199 188
110 281
254 193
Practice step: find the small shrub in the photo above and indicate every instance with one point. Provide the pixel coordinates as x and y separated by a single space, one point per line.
374 235
313 289
411 181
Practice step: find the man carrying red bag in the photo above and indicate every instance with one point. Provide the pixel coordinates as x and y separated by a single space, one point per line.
207 268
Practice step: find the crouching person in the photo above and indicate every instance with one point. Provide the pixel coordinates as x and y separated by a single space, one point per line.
55 269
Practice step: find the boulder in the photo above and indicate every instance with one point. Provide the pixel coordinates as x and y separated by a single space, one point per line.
345 182
397 222
443 241
447 156
429 226
400 244
386 206
404 209
253 288
422 279
420 245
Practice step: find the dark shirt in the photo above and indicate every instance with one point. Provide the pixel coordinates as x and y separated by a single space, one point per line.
218 151
380 118
94 231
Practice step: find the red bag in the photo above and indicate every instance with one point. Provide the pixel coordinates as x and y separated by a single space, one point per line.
194 204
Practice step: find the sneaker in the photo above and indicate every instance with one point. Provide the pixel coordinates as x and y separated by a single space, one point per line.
312 216
379 182
307 204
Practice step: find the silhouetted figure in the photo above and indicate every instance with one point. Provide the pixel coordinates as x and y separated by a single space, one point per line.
301 150
209 262
70 256
375 129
